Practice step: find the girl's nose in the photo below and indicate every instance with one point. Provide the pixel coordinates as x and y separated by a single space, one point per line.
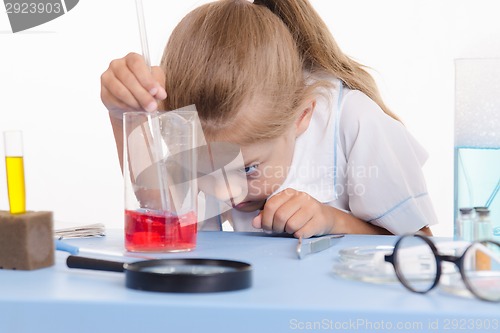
224 186
231 187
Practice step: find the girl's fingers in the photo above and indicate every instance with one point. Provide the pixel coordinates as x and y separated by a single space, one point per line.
159 76
129 90
272 212
298 220
115 95
129 84
118 108
314 227
293 212
257 221
270 208
308 230
136 64
151 79
285 214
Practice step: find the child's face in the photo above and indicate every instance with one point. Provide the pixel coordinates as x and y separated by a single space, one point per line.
247 183
266 165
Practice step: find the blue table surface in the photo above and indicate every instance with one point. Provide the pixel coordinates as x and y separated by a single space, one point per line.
287 294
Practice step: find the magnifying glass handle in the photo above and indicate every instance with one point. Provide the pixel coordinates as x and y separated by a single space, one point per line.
95 264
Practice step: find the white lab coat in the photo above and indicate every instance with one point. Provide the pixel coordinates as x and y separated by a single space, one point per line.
358 159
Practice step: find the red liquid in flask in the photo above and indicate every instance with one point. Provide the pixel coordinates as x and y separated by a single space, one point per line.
159 232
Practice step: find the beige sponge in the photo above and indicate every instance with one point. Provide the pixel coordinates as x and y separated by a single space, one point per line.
26 240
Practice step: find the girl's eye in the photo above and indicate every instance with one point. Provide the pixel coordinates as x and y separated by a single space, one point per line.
250 169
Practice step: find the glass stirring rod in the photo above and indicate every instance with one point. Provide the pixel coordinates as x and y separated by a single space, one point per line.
153 119
14 164
142 32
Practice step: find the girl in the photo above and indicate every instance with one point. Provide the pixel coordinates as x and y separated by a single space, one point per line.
323 154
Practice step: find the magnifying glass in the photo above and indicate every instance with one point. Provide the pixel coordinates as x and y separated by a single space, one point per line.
175 275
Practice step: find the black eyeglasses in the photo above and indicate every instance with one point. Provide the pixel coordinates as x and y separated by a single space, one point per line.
417 264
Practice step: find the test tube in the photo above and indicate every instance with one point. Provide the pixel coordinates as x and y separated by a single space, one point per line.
14 164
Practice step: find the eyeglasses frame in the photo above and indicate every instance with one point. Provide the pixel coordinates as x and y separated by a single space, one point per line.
457 260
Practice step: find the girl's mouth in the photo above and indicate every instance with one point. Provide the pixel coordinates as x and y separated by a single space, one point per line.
250 205
243 204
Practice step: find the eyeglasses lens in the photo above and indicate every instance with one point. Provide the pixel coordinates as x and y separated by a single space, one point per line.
481 267
416 264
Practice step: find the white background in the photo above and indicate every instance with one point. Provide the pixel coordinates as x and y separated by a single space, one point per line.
50 83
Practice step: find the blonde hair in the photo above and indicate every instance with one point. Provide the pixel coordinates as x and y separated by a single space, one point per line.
243 65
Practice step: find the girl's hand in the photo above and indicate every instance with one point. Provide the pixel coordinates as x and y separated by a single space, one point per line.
128 85
296 213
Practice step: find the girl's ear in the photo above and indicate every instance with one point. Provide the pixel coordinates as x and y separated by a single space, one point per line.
302 123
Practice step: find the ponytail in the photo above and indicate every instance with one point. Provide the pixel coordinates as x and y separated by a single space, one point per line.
318 48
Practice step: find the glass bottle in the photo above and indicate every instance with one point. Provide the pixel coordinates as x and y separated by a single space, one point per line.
482 224
465 225
482 231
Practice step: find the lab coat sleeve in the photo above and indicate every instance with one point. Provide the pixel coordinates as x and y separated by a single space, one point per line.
385 183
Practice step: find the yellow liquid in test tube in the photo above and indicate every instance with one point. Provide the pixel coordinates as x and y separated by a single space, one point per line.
14 165
15 183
